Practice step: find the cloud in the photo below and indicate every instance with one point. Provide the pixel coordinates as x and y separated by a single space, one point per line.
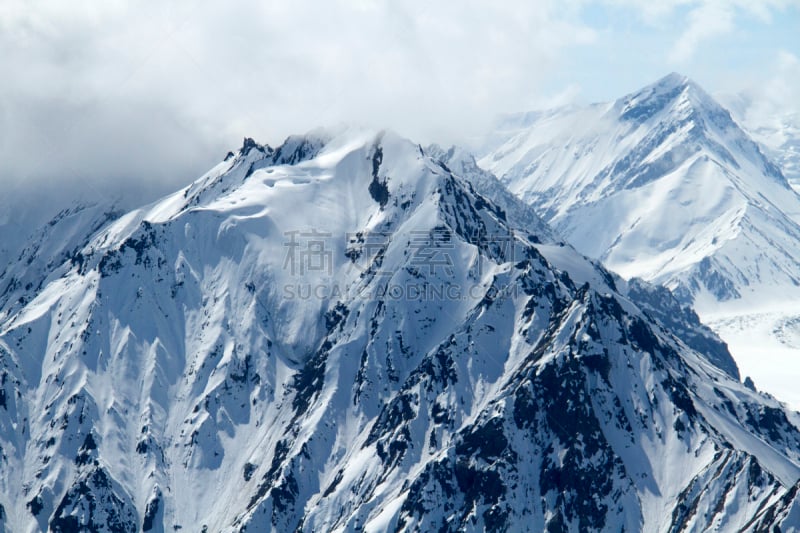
153 92
782 89
707 20
712 18
775 97
694 23
147 95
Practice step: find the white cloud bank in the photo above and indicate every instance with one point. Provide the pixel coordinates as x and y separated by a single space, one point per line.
151 93
135 90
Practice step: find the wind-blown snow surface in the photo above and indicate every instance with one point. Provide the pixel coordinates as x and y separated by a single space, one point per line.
171 374
662 184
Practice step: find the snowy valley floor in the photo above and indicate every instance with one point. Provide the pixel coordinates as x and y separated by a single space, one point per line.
766 346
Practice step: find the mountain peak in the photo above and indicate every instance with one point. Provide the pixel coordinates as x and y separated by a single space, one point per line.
672 93
675 83
576 167
250 144
675 79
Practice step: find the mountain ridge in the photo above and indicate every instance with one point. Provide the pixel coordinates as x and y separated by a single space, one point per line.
166 357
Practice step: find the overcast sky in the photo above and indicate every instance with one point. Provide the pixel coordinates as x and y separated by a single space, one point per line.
149 94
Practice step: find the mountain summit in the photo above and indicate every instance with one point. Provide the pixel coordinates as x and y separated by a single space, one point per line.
661 184
350 333
675 94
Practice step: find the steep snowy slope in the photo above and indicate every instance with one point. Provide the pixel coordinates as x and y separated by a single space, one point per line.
46 249
344 334
661 184
50 215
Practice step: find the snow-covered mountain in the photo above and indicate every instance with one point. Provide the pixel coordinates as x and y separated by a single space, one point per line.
661 184
664 185
351 333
